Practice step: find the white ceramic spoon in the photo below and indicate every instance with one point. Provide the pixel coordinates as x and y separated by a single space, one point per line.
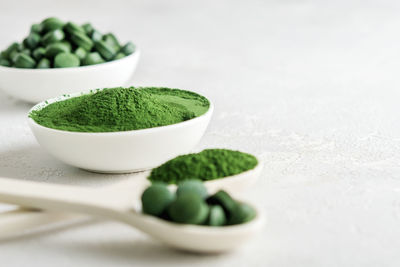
17 222
117 202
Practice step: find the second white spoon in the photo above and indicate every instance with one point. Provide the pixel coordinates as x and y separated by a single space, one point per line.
117 202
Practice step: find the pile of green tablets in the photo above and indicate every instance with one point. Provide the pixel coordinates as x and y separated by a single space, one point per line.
191 204
54 43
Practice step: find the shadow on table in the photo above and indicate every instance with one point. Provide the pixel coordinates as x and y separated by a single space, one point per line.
143 251
9 103
33 163
38 230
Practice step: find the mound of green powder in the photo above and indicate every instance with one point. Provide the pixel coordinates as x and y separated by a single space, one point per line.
207 165
121 109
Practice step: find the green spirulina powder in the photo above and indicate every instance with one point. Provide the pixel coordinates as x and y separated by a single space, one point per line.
122 109
209 164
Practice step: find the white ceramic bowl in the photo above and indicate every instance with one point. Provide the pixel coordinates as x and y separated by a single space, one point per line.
35 85
120 152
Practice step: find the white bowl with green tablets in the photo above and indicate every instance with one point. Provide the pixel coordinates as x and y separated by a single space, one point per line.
60 57
120 130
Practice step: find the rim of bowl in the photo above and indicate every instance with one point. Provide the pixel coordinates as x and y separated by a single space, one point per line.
138 131
116 61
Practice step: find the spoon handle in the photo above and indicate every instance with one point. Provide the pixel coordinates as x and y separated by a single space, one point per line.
18 222
55 197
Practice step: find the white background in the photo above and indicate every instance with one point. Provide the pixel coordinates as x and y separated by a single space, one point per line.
311 87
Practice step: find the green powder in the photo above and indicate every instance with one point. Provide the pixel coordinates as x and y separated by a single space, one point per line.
207 165
122 109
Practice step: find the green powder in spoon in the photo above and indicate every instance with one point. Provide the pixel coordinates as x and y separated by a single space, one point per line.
209 164
121 109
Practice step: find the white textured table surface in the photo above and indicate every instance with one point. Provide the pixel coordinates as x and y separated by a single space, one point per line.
311 87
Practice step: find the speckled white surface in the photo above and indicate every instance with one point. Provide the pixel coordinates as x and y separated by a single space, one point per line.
312 87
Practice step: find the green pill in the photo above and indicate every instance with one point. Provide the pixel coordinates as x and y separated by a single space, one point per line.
128 49
44 63
24 61
105 50
21 47
3 54
71 27
110 39
66 43
156 198
6 53
119 56
223 199
13 46
37 28
216 217
54 49
66 60
51 24
192 186
93 58
80 39
53 37
5 62
38 53
242 214
95 36
13 55
88 28
32 40
26 51
80 53
188 208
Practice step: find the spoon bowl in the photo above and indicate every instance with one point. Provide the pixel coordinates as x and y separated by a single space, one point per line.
195 238
120 152
35 85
